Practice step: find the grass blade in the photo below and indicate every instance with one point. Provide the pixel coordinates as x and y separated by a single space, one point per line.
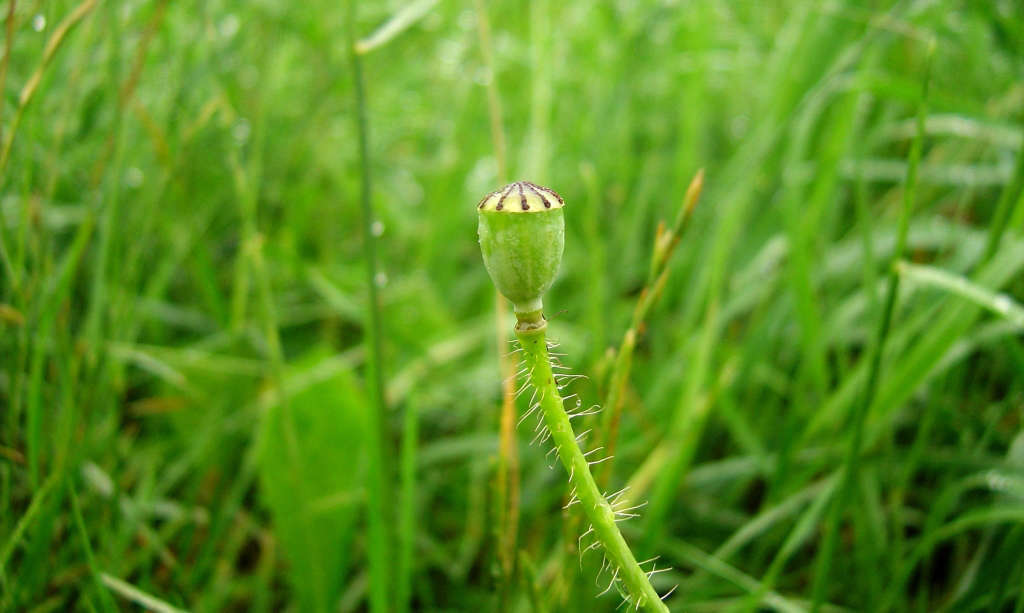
23 523
90 559
850 463
407 507
401 21
997 303
138 596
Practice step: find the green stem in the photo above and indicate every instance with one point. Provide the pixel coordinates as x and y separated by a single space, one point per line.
598 510
380 499
664 244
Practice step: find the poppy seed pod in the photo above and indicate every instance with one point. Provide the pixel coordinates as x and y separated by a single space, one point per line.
522 235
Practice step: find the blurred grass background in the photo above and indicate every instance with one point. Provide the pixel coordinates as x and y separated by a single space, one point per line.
186 405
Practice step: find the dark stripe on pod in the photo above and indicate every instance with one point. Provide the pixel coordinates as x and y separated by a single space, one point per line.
501 201
484 200
522 198
555 194
534 189
549 191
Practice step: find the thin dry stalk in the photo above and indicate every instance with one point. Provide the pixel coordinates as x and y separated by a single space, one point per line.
508 469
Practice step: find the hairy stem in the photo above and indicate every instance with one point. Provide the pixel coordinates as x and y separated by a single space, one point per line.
532 338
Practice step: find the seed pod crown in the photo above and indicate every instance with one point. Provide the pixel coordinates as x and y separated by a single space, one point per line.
521 197
522 236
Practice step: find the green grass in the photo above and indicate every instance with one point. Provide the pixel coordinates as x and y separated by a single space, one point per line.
189 412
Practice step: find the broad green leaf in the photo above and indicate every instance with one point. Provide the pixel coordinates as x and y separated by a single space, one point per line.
312 462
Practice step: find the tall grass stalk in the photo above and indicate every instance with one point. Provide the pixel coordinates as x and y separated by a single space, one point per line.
5 257
90 559
851 460
110 207
665 242
380 508
6 60
55 292
53 44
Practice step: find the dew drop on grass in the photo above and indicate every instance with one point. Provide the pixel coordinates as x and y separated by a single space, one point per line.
381 279
133 177
738 126
450 54
377 228
483 77
39 22
467 20
241 131
483 175
229 26
1001 303
97 479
